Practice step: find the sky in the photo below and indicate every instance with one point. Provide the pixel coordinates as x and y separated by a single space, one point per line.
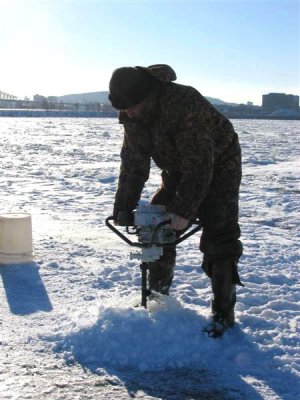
233 50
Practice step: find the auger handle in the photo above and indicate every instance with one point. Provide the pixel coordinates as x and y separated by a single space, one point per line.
157 227
120 234
188 234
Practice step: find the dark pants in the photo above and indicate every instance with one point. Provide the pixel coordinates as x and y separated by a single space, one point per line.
161 272
219 243
219 214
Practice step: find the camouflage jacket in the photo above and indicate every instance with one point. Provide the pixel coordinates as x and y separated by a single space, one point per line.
186 137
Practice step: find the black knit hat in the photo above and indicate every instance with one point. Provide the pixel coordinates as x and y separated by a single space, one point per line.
128 86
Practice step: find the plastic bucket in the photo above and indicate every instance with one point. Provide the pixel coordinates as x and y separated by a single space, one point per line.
15 238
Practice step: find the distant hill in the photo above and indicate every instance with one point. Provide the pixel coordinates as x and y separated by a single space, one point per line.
219 102
91 97
102 97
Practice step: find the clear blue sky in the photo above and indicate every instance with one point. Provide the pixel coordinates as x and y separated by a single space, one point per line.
233 50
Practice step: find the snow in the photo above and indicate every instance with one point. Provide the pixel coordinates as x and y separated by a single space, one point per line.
69 329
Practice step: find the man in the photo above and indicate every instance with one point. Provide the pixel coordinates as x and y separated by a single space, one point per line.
198 152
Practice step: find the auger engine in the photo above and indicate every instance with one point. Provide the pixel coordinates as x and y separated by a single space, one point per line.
153 230
151 224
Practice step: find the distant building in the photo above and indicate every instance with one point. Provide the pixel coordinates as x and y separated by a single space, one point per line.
38 98
53 99
276 101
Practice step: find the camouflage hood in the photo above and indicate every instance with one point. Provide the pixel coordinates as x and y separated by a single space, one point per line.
163 72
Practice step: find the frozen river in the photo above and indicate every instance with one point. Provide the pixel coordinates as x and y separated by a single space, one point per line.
68 328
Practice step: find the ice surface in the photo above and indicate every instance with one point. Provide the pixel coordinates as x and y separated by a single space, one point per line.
68 326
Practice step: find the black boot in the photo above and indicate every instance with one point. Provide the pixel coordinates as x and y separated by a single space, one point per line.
161 271
223 279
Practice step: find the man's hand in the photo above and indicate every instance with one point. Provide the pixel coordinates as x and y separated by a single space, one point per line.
178 223
124 218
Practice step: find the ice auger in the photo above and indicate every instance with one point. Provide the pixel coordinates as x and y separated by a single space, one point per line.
151 224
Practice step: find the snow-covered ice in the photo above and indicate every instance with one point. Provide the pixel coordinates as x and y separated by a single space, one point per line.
68 326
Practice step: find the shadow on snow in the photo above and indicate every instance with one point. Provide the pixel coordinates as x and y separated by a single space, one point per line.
24 288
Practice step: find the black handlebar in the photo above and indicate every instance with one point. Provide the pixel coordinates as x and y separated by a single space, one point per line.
186 235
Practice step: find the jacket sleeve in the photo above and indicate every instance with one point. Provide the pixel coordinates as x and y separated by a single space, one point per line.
196 155
134 170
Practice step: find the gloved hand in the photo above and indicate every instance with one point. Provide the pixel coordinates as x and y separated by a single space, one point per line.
124 218
178 223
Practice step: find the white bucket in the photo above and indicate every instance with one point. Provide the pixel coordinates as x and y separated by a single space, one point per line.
15 238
